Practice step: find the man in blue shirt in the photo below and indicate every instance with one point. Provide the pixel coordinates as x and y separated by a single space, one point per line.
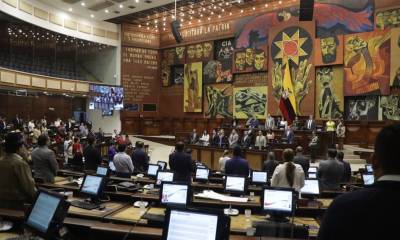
237 165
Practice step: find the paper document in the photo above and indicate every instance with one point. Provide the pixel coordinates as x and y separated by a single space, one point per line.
209 194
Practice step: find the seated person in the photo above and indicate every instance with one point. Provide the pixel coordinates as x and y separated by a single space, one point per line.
16 183
365 213
44 160
181 163
122 162
330 172
237 165
140 159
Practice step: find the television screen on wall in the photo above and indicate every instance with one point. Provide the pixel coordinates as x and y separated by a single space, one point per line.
106 97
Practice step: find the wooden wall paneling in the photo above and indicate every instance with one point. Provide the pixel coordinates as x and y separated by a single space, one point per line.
195 155
216 156
188 125
201 124
255 161
206 158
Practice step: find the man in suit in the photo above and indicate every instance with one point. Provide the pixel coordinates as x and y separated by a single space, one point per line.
222 139
366 213
297 124
310 124
288 135
270 164
233 139
246 141
44 160
140 159
180 163
237 165
17 122
269 122
194 137
347 169
330 172
92 155
301 159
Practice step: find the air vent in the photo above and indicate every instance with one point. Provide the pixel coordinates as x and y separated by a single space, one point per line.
71 1
101 5
119 1
116 12
131 7
148 1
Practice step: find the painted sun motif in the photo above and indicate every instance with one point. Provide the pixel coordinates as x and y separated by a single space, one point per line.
291 47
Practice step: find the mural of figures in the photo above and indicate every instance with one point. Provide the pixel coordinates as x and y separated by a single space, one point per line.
179 56
367 63
329 93
250 102
388 19
223 56
329 50
177 74
200 52
338 17
394 57
362 108
214 73
218 101
166 62
389 108
250 59
192 87
292 44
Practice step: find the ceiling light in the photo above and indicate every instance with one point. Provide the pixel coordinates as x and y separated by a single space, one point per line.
91 15
266 5
121 6
83 4
136 1
254 8
280 2
70 9
106 11
241 11
199 20
164 29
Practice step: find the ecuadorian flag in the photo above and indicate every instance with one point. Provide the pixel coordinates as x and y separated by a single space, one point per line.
287 104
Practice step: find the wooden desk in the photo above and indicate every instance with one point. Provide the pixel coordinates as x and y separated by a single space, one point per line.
110 207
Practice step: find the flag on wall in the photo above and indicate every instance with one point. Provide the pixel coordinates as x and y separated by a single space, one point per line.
287 104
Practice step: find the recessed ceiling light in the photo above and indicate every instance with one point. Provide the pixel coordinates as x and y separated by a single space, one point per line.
121 6
136 1
106 11
70 9
83 4
91 15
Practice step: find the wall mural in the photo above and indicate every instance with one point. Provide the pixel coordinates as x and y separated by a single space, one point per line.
168 58
250 102
388 19
362 108
292 44
389 108
220 69
218 101
177 74
394 58
337 17
200 52
329 50
179 55
367 63
192 87
329 93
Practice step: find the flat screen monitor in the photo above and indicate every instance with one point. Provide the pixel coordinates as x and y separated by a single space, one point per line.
47 213
106 97
102 171
368 179
92 185
312 169
259 177
312 175
195 225
368 168
152 170
202 174
174 194
278 200
164 176
162 164
311 187
235 184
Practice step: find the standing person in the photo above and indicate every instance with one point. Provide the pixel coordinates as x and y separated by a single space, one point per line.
31 125
269 123
43 121
222 139
331 129
127 141
346 167
235 122
237 165
364 214
261 141
270 136
288 135
233 139
330 172
193 137
340 134
313 146
112 150
180 163
246 141
214 138
44 160
35 135
68 156
205 138
77 160
16 183
3 125
92 155
301 159
123 163
310 124
222 160
140 159
270 164
288 174
296 123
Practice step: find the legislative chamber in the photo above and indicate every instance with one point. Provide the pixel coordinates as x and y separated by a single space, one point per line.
199 119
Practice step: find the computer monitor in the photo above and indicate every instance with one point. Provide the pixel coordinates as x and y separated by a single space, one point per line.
368 179
310 189
235 185
47 214
312 175
92 186
195 225
103 171
312 169
162 164
202 174
279 203
368 168
259 177
164 176
174 194
152 170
